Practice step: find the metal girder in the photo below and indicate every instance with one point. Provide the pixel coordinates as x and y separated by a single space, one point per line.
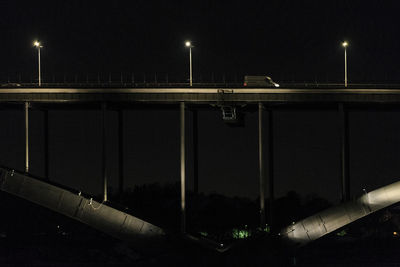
329 220
86 210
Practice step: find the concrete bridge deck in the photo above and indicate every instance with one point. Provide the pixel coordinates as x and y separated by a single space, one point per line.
202 95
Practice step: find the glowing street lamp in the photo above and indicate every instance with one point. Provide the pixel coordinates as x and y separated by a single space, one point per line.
345 44
189 45
38 46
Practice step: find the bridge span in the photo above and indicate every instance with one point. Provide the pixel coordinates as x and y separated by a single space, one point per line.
228 99
203 95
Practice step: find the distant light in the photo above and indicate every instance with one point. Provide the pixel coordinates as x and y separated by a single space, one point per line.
203 233
37 44
345 44
271 81
188 44
395 233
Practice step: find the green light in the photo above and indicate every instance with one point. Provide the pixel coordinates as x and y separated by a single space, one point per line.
266 229
342 233
203 233
240 233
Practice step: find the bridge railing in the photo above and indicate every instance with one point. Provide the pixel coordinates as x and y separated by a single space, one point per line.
197 85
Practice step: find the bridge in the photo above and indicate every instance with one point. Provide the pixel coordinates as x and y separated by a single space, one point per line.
204 95
228 99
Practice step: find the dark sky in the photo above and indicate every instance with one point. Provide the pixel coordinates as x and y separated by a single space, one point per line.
290 40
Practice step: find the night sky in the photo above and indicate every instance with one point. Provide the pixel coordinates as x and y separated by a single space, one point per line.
289 40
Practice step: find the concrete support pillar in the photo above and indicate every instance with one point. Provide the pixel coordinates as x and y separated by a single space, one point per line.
261 165
104 162
195 153
271 165
46 144
121 151
26 106
344 137
183 178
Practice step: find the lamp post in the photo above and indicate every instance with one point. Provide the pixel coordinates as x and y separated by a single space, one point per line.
345 44
189 45
38 46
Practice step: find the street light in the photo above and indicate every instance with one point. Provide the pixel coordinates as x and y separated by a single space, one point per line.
345 44
38 46
189 44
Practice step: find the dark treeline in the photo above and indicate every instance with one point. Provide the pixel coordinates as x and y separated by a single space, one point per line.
213 213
